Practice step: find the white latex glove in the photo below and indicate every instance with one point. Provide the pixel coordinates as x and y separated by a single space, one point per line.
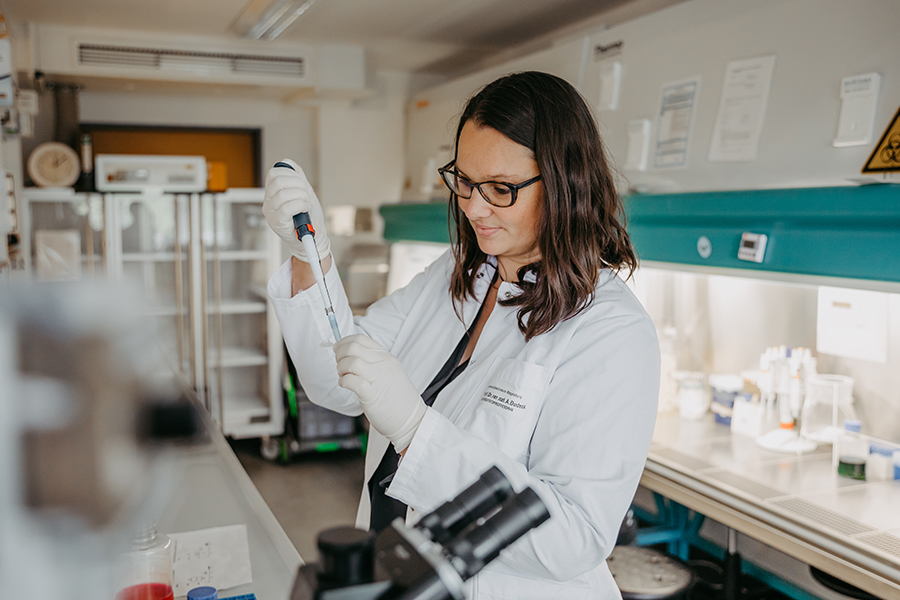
288 193
390 400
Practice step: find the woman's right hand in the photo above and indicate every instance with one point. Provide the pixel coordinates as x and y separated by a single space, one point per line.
287 194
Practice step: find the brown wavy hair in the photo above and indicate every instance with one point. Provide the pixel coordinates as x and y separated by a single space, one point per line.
582 224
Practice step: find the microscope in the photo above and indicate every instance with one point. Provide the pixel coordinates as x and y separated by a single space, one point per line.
427 561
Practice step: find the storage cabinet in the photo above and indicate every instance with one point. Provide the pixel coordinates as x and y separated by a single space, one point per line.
201 262
242 335
64 235
149 246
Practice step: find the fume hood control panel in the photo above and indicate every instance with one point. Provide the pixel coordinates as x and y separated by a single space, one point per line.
753 247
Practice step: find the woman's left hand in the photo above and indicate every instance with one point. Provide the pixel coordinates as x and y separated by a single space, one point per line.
390 400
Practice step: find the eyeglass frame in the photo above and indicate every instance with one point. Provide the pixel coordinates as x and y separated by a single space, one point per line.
514 187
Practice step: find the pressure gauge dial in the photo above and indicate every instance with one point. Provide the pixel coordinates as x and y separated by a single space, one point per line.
53 164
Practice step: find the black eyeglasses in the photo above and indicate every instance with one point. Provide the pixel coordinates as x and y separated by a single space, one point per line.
496 193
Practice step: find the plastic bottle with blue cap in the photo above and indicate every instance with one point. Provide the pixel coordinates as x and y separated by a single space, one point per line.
203 593
879 465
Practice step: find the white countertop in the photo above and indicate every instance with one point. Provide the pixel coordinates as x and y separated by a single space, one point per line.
797 504
212 489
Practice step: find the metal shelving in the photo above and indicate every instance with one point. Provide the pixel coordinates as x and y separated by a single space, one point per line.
201 262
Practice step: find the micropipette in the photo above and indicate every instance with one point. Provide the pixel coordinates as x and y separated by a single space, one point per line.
306 234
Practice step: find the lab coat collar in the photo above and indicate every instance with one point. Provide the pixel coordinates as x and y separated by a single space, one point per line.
486 275
529 277
483 280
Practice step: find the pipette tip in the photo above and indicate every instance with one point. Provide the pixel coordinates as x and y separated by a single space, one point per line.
332 320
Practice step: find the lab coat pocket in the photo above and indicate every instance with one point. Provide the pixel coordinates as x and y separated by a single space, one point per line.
509 404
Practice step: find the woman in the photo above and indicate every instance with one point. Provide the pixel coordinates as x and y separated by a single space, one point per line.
520 347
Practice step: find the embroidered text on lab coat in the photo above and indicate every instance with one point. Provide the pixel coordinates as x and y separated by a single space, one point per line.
503 398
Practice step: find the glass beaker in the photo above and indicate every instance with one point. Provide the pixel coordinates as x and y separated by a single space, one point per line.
828 403
851 450
693 398
147 567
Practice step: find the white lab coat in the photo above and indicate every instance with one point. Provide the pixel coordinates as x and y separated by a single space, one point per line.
570 414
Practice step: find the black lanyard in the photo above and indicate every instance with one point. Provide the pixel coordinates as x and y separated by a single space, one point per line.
384 508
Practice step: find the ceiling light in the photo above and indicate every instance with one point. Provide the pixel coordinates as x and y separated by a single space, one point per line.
266 19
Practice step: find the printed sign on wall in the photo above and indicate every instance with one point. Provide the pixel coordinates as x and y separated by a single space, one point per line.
886 155
673 128
742 108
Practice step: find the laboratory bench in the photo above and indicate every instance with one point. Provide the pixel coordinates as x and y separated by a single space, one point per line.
210 488
796 504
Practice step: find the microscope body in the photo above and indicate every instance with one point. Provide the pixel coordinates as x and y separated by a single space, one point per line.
429 561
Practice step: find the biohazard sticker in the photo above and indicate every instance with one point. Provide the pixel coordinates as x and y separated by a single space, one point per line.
886 155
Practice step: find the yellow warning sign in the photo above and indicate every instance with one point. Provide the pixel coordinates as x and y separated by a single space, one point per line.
886 156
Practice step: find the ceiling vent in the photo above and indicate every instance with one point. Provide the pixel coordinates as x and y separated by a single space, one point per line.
100 55
106 58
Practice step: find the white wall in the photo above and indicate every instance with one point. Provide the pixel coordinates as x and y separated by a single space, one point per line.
361 149
432 115
361 145
816 44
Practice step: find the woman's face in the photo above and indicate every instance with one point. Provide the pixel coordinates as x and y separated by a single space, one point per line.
510 233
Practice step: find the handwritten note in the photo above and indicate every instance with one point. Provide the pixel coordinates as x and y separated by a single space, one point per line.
218 557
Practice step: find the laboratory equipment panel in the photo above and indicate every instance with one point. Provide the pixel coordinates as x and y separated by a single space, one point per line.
832 232
823 232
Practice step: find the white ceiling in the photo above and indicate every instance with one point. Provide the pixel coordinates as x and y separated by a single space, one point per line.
438 37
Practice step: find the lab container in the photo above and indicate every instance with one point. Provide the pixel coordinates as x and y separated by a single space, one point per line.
879 465
725 389
828 403
693 398
852 451
146 572
320 423
668 385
